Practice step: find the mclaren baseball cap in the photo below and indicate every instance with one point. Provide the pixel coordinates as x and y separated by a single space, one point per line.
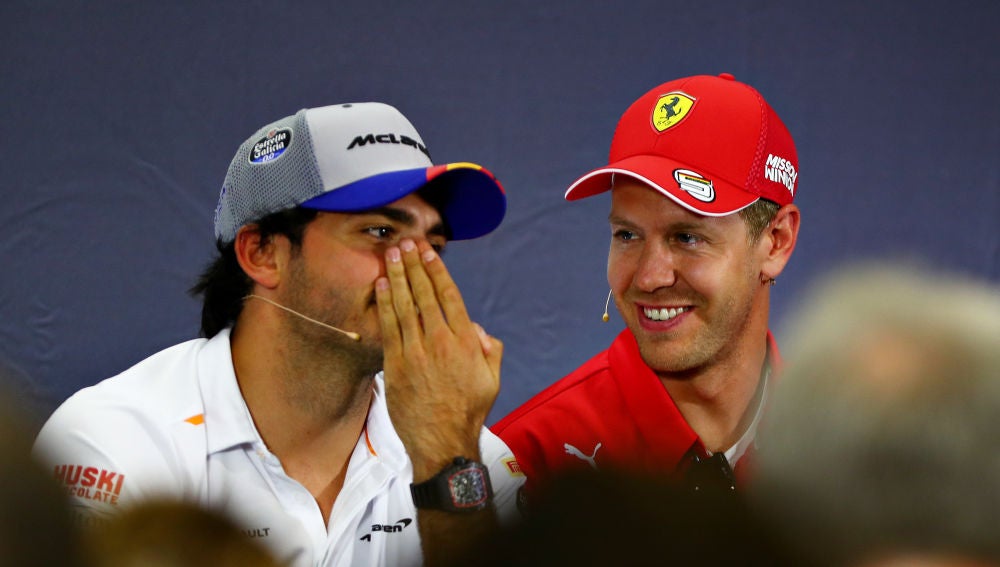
350 158
712 144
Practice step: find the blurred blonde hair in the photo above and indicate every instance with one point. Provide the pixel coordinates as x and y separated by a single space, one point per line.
883 434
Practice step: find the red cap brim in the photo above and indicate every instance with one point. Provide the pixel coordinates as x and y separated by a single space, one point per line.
694 190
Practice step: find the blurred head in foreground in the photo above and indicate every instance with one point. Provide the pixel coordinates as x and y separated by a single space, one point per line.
165 533
883 440
35 523
612 518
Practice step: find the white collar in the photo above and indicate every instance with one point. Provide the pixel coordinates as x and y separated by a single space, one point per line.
734 453
229 423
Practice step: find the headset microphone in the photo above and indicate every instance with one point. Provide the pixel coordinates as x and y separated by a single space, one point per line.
354 336
605 317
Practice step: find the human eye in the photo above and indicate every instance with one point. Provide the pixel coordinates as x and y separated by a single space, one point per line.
623 234
380 232
688 239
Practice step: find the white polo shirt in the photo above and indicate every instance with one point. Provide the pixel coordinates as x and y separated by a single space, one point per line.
176 425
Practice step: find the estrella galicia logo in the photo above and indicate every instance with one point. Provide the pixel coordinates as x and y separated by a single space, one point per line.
670 109
270 147
399 526
695 185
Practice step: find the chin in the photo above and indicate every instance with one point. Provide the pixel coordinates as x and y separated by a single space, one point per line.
668 356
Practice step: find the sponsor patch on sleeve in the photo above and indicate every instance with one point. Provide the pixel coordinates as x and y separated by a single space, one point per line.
90 483
513 467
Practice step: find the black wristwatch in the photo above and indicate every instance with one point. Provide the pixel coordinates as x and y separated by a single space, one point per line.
462 486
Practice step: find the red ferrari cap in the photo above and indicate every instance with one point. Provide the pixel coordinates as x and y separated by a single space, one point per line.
712 144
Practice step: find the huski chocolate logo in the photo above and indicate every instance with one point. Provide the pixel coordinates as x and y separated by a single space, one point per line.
90 483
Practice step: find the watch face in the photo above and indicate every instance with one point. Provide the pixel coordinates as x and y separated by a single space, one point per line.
468 488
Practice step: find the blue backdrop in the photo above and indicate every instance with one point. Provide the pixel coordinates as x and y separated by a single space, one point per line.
120 119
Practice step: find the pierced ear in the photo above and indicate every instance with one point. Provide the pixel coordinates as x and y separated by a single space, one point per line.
778 241
259 257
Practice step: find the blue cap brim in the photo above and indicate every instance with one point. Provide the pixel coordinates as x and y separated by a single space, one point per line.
472 201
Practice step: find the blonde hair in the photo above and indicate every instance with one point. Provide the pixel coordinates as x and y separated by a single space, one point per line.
882 432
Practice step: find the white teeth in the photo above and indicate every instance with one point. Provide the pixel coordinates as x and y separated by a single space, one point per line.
663 314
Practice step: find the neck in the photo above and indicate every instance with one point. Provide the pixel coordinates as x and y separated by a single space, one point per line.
309 402
719 400
313 373
720 405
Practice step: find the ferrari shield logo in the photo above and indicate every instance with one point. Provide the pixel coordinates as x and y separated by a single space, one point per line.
670 109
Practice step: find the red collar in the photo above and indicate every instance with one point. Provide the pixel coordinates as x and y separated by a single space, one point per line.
656 416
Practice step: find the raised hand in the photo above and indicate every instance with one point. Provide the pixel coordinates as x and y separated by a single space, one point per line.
442 371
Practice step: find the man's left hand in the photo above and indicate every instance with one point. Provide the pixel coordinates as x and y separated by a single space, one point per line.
442 371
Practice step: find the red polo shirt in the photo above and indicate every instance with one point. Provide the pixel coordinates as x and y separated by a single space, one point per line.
610 413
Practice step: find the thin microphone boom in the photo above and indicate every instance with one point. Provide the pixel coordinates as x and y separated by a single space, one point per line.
605 316
354 336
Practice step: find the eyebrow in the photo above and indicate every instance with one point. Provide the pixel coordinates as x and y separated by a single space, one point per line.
405 217
673 226
614 219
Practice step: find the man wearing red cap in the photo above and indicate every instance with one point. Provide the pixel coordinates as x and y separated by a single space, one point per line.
702 175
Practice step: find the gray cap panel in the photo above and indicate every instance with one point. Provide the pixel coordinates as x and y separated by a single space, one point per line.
275 169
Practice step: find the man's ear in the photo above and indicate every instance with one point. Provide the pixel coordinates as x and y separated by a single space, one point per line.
260 257
778 241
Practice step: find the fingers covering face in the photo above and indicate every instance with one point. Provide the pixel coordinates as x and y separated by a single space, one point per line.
421 293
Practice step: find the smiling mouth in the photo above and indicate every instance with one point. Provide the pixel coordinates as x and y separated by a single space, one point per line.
663 314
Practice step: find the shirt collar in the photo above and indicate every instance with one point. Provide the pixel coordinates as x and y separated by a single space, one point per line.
228 422
227 418
380 434
653 411
771 361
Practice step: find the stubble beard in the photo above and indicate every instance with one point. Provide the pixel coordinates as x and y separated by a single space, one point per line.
719 334
331 364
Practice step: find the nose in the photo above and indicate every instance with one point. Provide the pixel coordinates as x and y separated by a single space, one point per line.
655 268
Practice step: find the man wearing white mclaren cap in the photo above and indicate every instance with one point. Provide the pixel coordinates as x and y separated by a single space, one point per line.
329 227
702 175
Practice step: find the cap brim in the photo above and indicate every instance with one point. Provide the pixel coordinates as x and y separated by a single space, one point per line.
704 195
472 201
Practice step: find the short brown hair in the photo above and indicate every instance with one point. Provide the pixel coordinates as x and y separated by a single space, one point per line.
757 217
